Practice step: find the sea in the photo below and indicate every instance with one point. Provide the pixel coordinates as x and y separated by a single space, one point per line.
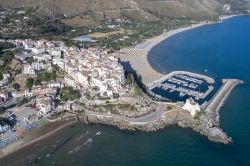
218 50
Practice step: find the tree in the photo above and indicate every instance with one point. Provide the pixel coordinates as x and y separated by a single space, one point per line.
1 76
16 86
38 81
29 83
6 45
69 93
44 76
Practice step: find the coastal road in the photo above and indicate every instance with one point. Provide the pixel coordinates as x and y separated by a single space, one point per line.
154 116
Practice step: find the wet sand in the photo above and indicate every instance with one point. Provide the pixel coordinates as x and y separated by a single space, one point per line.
137 56
36 135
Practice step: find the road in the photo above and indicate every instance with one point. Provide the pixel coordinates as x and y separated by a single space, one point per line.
154 116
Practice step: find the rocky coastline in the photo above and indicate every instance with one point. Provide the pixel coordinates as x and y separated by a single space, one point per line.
206 123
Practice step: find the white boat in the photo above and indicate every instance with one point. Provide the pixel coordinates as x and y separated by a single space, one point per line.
98 133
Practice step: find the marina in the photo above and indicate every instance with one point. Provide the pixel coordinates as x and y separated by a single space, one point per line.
180 85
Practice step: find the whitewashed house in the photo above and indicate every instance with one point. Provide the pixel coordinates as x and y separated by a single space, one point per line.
28 70
44 105
192 107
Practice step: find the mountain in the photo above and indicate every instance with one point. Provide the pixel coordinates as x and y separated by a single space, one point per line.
135 9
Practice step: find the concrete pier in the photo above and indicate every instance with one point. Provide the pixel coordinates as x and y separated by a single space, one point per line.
219 98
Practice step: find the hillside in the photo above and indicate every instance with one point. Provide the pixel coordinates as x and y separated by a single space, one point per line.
133 9
114 24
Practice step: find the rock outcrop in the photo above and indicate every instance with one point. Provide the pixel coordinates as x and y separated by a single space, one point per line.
206 123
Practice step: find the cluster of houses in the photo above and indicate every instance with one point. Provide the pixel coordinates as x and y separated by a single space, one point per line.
84 68
5 80
91 68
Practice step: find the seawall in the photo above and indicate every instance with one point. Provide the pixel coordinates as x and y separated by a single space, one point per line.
219 99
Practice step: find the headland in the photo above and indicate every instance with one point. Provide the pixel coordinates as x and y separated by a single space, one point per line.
207 121
152 115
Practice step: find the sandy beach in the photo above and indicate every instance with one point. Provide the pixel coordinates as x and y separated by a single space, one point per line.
229 16
36 135
137 55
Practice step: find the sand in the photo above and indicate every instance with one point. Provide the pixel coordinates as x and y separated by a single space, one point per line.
36 135
137 55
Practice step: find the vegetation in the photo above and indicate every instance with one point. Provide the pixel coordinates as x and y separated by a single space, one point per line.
6 45
99 97
130 80
138 90
7 57
69 94
1 76
54 28
135 31
114 108
135 84
29 83
170 107
16 86
44 76
116 95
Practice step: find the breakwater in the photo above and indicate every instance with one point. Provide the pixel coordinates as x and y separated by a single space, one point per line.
220 97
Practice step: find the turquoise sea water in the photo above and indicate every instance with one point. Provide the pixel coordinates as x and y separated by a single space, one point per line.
223 50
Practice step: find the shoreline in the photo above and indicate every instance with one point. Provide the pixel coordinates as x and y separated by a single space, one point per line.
207 125
155 121
21 144
221 96
162 120
137 56
222 18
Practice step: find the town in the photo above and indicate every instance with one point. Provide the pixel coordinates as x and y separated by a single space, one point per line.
51 72
46 81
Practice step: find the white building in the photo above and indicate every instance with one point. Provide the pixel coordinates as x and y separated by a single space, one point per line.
44 105
1 63
42 57
59 62
227 8
28 70
5 79
69 81
192 107
56 53
23 57
35 66
38 50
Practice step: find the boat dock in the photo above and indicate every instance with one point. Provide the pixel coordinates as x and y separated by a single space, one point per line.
184 84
